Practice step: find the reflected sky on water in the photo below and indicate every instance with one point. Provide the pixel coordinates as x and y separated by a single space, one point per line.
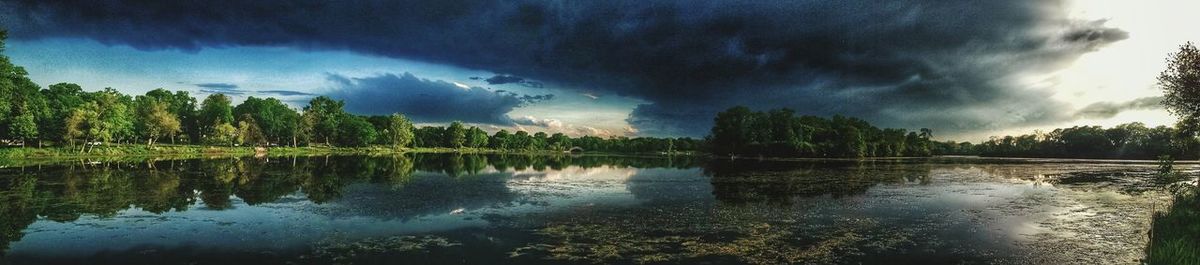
452 208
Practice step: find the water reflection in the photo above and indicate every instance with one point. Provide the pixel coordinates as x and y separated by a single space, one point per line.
552 209
387 187
783 181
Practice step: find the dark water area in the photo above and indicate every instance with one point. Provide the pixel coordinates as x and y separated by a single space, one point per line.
513 209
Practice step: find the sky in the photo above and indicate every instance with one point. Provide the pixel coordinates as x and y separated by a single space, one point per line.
966 69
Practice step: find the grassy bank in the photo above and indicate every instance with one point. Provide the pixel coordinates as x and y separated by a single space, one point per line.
1175 233
13 153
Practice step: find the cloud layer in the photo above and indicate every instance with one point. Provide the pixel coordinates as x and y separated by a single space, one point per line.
1104 110
954 66
424 100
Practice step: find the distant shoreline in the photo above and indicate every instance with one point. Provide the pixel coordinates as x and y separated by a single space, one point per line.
185 151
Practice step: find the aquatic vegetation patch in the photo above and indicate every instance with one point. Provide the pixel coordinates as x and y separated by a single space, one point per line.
752 243
341 252
1091 227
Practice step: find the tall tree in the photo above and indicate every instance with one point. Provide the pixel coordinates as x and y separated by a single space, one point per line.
476 138
355 131
323 116
500 140
21 103
115 113
23 127
730 130
456 135
217 109
224 134
183 106
1181 83
276 119
400 131
249 133
560 142
61 99
159 122
81 125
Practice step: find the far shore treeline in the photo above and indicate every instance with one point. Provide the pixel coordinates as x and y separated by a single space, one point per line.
780 133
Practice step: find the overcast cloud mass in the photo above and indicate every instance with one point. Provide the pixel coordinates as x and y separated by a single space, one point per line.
954 66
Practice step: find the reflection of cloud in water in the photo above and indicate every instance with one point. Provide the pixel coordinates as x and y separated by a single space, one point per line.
424 194
575 174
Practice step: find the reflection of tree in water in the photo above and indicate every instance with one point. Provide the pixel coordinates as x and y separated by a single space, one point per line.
17 207
781 181
416 184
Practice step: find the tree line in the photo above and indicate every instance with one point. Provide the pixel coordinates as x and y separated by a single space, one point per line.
66 115
781 133
1125 141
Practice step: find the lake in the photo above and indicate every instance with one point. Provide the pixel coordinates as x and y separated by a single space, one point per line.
516 209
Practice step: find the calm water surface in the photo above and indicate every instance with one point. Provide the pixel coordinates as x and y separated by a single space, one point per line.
500 209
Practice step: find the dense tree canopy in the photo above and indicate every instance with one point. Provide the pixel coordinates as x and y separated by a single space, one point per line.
277 122
1128 141
321 118
780 132
398 131
216 111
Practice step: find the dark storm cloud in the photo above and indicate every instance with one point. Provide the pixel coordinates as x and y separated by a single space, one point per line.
221 86
284 93
1104 110
423 100
222 91
948 65
512 79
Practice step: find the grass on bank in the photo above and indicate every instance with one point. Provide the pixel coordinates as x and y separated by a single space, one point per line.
109 150
1175 233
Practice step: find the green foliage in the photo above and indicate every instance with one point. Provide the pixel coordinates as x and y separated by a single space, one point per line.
223 134
1128 141
249 133
322 117
277 122
179 104
456 135
355 131
560 142
500 140
116 113
78 124
779 132
159 122
476 138
61 99
23 127
216 109
1181 82
399 131
429 136
1174 232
